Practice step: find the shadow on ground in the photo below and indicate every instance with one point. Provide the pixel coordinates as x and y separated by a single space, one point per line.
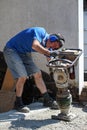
33 124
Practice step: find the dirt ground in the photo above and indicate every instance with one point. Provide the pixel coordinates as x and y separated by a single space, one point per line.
39 118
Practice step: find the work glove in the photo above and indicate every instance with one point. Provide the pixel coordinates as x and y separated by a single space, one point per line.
54 53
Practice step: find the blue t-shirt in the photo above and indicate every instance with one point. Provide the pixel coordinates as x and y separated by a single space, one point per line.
22 42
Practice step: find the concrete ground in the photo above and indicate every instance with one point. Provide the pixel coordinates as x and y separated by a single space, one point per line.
39 118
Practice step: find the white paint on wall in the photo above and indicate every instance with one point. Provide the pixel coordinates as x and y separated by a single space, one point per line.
80 45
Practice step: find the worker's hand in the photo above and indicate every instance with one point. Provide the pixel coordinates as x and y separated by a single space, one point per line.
54 53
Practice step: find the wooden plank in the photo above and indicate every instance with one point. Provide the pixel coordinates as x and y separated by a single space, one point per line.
8 82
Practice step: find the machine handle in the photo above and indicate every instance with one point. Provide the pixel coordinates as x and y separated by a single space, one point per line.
52 63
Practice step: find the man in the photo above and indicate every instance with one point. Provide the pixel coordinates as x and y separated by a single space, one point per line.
17 53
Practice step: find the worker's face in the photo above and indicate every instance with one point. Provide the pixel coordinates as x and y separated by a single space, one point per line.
55 45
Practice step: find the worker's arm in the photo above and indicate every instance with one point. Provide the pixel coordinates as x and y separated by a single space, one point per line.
39 48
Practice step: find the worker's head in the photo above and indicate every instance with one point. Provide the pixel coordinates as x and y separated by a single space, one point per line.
55 41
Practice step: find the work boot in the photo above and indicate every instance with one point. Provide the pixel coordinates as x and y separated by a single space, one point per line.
49 102
19 106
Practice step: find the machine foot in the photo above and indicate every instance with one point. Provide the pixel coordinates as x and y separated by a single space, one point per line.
68 117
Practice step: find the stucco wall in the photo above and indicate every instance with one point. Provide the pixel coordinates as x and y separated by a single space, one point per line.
54 15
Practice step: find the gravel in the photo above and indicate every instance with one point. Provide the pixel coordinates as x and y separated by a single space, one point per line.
39 118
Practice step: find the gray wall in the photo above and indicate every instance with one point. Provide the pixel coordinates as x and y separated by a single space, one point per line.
54 15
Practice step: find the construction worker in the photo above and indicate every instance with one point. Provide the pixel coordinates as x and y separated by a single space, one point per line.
17 54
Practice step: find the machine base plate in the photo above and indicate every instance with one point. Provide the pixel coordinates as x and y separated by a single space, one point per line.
68 117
